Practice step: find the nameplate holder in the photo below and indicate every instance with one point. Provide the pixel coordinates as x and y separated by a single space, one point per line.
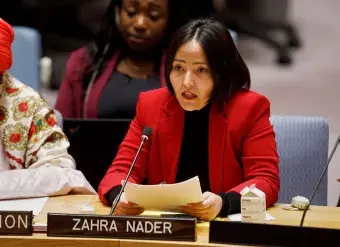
16 222
124 227
240 233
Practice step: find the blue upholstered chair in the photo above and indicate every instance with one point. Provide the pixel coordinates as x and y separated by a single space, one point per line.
303 149
26 50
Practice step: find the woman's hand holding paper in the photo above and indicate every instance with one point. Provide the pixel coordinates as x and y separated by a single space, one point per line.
208 209
128 208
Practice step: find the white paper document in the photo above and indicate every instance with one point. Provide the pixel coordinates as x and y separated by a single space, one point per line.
32 204
237 217
164 197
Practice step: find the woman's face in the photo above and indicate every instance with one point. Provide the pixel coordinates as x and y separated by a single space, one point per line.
190 77
142 23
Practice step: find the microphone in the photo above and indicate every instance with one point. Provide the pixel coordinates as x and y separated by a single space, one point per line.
145 136
319 181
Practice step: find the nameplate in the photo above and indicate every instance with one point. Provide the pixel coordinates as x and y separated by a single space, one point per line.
224 232
16 222
136 227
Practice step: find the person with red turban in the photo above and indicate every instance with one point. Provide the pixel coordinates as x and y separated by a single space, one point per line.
33 150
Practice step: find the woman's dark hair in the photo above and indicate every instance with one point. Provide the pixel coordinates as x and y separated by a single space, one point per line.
108 40
228 69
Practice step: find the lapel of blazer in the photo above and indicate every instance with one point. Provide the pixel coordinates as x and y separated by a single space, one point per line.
217 141
171 125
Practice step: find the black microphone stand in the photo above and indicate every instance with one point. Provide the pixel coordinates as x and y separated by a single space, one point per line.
146 133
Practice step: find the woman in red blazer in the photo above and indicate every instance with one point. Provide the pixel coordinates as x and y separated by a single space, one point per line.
207 123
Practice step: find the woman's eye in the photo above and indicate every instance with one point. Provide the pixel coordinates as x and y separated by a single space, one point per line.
154 16
178 67
202 70
130 11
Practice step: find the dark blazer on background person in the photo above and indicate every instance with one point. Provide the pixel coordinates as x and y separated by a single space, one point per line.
241 145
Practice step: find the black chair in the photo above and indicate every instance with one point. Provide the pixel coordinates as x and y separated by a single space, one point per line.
94 144
235 17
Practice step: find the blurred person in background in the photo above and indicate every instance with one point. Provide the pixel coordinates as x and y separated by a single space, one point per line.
104 79
33 150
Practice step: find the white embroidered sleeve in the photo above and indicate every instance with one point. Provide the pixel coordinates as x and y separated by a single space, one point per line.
48 169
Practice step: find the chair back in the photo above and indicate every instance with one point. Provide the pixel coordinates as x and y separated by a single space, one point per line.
26 50
302 144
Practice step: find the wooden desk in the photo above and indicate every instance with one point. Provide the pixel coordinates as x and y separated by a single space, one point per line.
326 217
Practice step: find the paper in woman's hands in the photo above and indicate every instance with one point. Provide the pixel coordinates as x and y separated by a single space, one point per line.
164 197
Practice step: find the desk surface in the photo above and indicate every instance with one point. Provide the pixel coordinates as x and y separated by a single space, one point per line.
324 217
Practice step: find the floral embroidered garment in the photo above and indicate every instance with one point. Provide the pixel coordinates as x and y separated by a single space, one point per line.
33 156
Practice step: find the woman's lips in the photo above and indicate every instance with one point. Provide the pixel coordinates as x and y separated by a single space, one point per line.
136 39
189 96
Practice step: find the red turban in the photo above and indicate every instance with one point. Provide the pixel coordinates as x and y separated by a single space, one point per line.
6 39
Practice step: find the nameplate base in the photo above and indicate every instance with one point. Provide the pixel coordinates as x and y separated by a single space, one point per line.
224 232
16 222
125 227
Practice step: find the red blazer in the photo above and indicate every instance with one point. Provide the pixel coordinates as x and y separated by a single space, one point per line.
71 94
242 147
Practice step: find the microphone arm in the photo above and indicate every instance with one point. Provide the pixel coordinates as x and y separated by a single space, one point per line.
320 179
146 133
